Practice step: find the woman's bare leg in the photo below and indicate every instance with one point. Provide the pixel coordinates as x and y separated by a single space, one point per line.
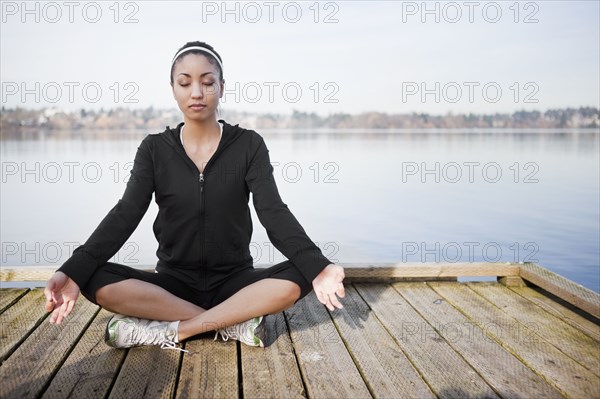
267 296
145 300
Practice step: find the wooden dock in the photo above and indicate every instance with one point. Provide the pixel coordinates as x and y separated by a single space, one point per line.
406 331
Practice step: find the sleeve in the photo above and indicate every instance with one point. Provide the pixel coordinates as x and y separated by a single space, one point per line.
120 222
283 229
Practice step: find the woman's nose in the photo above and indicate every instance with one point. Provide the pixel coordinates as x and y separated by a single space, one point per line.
197 91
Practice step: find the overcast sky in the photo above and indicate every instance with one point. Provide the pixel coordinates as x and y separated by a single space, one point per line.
343 56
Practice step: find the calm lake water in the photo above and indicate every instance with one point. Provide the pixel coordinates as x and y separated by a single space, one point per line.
362 197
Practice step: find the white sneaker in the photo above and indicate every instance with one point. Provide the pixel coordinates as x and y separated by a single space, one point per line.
247 332
126 331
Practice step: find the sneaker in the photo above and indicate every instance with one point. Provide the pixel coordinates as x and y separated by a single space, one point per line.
126 331
248 332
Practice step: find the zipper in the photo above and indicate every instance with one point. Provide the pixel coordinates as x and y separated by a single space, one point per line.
202 206
181 151
202 224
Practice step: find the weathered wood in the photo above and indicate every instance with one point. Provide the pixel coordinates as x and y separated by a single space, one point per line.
385 368
209 369
91 367
567 315
505 374
272 371
395 340
147 372
430 271
26 273
372 272
326 366
18 321
567 339
444 370
565 374
563 288
8 296
385 275
29 369
512 281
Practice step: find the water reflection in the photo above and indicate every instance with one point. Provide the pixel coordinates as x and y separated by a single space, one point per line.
376 196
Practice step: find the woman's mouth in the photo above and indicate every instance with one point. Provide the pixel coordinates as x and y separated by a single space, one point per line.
198 107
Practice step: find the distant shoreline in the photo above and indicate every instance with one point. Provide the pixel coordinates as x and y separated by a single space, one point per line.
154 120
112 134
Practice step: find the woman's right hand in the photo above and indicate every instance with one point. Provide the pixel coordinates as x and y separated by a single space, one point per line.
61 294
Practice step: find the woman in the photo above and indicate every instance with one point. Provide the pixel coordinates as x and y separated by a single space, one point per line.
201 174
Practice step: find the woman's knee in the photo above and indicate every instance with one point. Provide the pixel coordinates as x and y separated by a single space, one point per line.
289 291
107 295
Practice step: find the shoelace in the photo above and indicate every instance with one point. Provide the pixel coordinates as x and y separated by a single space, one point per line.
165 345
224 335
171 345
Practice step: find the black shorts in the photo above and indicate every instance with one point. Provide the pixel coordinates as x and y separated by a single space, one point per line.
111 273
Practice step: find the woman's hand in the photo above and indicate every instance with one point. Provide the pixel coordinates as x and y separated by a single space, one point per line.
327 284
61 294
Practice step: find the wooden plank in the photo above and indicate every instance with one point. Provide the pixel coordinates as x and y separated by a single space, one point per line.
569 291
91 367
444 370
385 368
354 271
8 296
27 273
512 281
567 315
148 372
29 369
565 374
322 356
567 339
400 271
17 322
209 369
272 371
506 374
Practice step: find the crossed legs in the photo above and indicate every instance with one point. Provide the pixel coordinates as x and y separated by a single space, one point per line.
148 301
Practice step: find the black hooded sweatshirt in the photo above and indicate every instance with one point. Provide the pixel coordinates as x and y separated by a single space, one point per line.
204 225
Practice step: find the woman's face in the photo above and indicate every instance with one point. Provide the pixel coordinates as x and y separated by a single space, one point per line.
197 87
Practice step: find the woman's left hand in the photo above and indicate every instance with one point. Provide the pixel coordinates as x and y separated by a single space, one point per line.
327 284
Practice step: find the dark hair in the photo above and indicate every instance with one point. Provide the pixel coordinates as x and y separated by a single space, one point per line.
210 58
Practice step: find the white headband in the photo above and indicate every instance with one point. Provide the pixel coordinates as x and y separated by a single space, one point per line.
185 50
